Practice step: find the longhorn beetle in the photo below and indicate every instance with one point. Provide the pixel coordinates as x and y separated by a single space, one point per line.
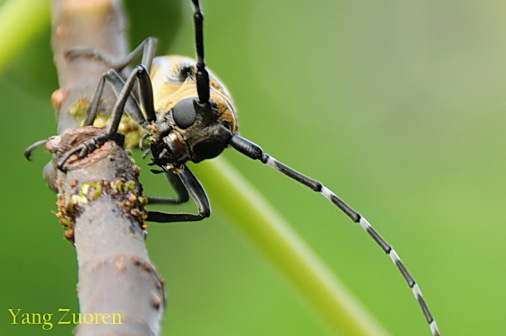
190 116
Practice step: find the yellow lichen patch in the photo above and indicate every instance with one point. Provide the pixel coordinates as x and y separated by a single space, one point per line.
91 190
126 193
128 126
79 109
78 199
120 186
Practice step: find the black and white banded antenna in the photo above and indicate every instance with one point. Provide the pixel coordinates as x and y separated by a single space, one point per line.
255 152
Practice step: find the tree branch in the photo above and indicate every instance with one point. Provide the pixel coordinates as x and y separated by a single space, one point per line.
99 197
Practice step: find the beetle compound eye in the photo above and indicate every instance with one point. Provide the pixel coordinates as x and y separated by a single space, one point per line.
184 113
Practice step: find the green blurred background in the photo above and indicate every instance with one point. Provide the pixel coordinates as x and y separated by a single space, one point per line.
397 106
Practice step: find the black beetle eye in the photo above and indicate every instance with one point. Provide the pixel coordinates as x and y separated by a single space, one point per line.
184 113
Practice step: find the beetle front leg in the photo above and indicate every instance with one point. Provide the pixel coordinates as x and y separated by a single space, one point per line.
182 195
197 192
82 150
125 100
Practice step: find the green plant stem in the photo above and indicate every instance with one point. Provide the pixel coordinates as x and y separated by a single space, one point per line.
20 20
257 220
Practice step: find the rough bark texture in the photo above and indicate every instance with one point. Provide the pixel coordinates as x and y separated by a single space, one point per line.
99 197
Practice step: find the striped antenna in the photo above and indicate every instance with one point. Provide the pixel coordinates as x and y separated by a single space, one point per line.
254 151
